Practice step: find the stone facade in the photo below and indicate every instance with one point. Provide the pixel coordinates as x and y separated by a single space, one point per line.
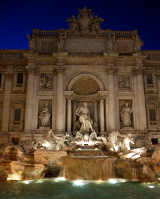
40 88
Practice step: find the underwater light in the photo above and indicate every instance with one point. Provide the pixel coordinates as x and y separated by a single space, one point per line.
151 186
116 180
112 181
60 179
99 181
27 181
39 181
78 183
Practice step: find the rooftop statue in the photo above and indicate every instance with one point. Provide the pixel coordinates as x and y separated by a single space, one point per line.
86 22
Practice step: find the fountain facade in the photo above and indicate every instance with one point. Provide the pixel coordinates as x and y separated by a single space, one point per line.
82 96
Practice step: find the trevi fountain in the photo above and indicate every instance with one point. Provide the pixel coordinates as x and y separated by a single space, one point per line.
80 115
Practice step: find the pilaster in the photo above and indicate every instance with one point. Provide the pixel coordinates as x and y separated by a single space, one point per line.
6 101
30 119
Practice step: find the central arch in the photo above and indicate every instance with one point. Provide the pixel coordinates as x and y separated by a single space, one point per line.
85 84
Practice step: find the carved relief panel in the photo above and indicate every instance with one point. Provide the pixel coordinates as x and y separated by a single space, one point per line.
124 82
45 114
46 81
126 114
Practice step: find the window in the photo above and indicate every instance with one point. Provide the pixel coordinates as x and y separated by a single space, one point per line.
19 79
17 115
154 141
152 114
150 80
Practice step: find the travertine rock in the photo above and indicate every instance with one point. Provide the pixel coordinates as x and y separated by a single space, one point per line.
26 170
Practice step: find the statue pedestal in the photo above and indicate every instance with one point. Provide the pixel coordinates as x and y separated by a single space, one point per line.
44 128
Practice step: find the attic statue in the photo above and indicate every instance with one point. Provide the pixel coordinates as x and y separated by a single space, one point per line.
86 22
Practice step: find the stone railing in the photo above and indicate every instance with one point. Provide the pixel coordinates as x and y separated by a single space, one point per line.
124 35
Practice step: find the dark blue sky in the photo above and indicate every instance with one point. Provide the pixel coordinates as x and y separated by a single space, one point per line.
18 17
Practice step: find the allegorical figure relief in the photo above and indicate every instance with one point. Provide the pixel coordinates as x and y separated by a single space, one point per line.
125 115
45 80
44 117
83 114
124 82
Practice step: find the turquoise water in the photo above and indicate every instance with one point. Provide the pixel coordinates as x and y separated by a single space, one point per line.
55 189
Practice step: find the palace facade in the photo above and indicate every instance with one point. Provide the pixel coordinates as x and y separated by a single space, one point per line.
41 88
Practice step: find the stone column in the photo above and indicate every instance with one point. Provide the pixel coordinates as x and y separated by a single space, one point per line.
101 115
140 111
60 123
30 98
112 105
69 115
6 102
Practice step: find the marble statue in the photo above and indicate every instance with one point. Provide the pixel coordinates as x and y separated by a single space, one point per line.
78 137
113 141
93 136
126 143
96 24
83 114
44 116
125 115
73 24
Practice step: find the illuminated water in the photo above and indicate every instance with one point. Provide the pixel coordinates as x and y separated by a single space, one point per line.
59 189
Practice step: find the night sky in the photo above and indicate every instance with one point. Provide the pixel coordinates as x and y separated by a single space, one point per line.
19 17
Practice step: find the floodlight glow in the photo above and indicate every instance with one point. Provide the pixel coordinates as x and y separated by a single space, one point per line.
60 179
14 176
78 183
46 144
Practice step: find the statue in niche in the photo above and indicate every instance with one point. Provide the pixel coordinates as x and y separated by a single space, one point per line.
125 115
83 114
44 116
